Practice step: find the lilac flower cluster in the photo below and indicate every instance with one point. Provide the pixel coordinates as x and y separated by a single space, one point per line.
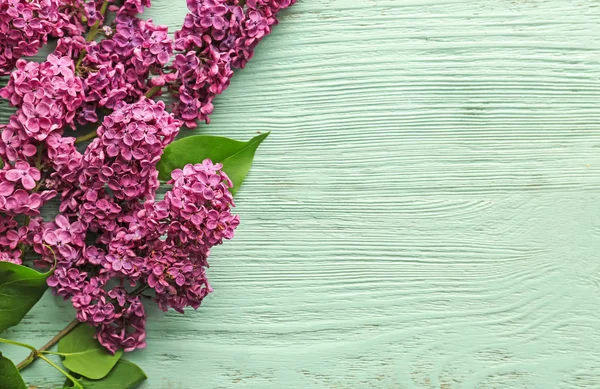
123 158
217 36
24 28
113 243
117 68
112 239
25 25
47 96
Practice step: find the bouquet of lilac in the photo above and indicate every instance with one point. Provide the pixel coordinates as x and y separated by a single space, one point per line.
113 243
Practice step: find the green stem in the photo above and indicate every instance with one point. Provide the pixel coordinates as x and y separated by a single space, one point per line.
92 33
54 365
44 349
2 340
80 59
56 353
94 30
40 155
36 353
86 137
152 91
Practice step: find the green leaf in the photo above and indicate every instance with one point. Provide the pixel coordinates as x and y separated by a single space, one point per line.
20 289
9 375
235 156
125 375
84 355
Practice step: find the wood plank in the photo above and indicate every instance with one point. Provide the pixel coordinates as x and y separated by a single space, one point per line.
423 215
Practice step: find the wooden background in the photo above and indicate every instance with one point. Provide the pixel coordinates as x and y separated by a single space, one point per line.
425 213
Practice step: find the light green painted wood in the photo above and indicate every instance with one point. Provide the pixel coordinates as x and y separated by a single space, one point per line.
425 213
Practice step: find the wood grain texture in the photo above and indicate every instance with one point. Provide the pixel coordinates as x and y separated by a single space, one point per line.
425 213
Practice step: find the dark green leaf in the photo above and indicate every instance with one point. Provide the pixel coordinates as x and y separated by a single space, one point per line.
84 355
9 375
125 375
20 289
235 156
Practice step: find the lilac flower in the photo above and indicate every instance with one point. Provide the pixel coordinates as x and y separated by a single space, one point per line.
6 189
256 25
92 13
162 53
6 223
65 238
61 65
131 7
24 173
14 146
36 117
212 15
21 202
67 281
12 238
27 23
71 232
13 256
94 255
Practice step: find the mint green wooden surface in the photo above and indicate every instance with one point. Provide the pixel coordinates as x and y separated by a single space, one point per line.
425 213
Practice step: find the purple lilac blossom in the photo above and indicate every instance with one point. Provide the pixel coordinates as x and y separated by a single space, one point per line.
216 37
140 242
47 96
117 69
24 28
